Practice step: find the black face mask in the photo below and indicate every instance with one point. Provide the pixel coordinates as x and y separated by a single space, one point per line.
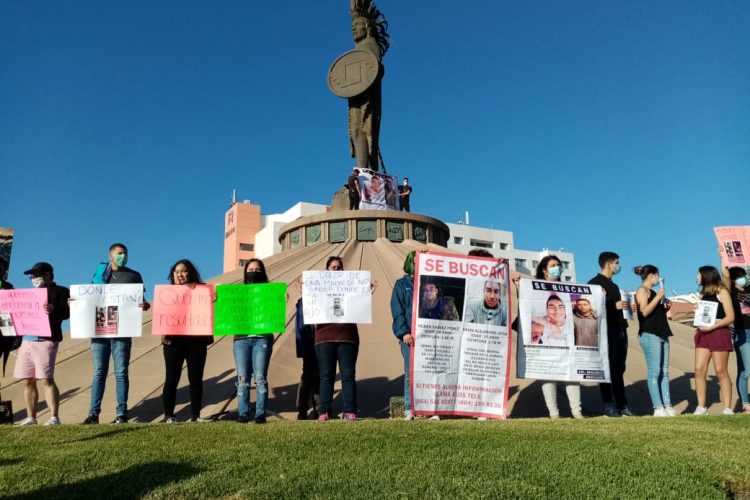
254 277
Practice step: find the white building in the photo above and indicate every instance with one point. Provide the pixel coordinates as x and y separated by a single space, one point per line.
267 239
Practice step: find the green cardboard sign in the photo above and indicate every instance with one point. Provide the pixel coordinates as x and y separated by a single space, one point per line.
250 309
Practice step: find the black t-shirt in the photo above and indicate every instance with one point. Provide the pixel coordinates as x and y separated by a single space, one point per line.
125 275
616 324
352 183
405 190
741 321
655 323
57 296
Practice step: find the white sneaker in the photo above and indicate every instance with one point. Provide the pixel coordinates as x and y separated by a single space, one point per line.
435 417
727 411
53 421
660 412
408 415
481 419
701 410
670 411
28 421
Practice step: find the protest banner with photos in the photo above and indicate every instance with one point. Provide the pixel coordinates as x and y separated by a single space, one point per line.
379 190
460 361
734 245
183 310
562 332
106 311
24 313
336 297
705 313
250 309
6 325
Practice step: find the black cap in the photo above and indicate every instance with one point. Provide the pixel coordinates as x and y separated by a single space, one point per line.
39 269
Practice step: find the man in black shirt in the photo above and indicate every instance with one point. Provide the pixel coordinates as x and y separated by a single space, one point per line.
403 195
354 193
613 395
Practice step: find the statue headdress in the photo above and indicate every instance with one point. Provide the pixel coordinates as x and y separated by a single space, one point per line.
377 26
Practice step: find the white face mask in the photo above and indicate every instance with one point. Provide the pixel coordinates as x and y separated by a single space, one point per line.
37 282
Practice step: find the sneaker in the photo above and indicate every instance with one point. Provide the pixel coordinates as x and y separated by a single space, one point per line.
302 415
701 410
351 417
54 421
435 417
323 417
746 408
727 411
170 420
121 419
28 421
611 411
578 415
260 419
625 412
670 411
554 416
199 420
91 419
481 419
408 415
660 412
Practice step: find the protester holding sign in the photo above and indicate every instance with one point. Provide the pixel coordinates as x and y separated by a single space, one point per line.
37 355
252 354
401 311
114 272
714 342
654 333
740 292
337 342
613 395
549 269
180 349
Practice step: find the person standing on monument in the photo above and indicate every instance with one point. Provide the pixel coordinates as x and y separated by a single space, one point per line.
613 395
113 272
404 192
355 193
37 355
401 311
337 342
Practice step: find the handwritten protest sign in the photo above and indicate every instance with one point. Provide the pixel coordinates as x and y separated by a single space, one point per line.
336 297
460 323
25 307
563 332
182 310
250 309
106 311
734 245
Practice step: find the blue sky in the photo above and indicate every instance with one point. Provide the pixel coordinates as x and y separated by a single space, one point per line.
587 125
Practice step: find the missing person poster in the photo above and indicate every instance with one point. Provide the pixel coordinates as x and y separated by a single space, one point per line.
461 356
563 332
23 312
106 311
336 297
705 313
183 310
734 245
379 191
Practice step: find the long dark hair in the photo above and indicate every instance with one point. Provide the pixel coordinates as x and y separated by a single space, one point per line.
194 276
734 273
542 266
334 258
262 270
710 280
645 270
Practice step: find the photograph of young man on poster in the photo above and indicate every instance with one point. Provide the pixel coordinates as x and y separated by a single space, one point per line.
433 304
585 323
551 329
488 308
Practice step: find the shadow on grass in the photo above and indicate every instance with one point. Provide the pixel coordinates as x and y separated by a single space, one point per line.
9 461
136 481
42 405
107 434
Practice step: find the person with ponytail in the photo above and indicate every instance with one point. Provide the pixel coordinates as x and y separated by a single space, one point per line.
401 311
739 287
714 343
654 333
252 354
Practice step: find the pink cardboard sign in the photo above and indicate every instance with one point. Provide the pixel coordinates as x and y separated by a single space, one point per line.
26 309
181 310
734 245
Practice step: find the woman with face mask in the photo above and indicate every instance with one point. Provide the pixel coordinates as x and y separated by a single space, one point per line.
184 349
252 354
549 269
654 333
714 342
738 284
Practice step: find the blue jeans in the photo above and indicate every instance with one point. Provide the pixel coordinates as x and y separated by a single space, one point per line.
346 354
252 355
742 348
656 350
406 353
101 349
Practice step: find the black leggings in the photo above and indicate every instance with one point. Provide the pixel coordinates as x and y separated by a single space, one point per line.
175 354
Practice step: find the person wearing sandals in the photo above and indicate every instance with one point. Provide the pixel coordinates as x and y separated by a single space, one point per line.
654 333
735 278
181 349
714 343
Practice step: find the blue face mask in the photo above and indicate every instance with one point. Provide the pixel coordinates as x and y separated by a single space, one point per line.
555 272
741 282
617 269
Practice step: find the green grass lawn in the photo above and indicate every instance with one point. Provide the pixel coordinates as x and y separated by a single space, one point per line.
684 457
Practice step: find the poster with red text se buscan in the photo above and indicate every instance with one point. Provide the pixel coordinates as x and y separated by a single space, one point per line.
734 245
460 324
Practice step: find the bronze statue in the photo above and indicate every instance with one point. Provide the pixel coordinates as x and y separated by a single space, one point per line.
357 76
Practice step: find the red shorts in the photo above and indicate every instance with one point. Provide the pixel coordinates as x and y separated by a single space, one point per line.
36 359
715 341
